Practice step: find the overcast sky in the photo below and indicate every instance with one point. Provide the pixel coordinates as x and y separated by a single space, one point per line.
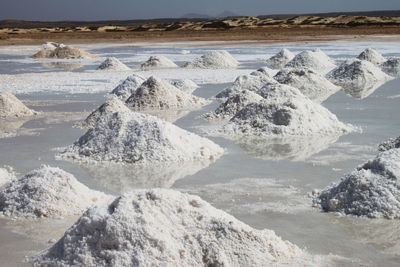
133 9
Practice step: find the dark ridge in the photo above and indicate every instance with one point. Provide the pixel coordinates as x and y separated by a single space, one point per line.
379 13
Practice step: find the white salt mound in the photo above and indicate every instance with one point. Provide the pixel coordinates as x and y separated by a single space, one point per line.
213 60
315 59
233 104
157 94
158 62
47 192
389 144
285 111
129 137
7 175
391 66
372 56
185 85
372 190
114 64
309 82
279 60
161 227
125 89
56 50
264 71
111 106
10 106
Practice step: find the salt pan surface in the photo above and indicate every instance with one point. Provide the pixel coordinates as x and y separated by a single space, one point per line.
372 56
155 62
125 89
315 59
113 64
214 60
10 107
280 59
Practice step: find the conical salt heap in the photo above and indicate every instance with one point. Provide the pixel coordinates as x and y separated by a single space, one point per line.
372 56
10 107
125 89
280 59
315 59
158 62
213 60
112 63
56 50
185 85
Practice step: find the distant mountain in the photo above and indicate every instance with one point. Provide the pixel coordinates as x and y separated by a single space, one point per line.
196 16
227 13
377 13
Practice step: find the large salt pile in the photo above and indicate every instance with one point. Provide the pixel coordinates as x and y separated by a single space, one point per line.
391 66
233 104
185 85
161 227
372 190
56 50
158 94
285 111
309 82
114 64
112 105
125 89
47 192
213 60
10 106
157 62
130 137
280 59
389 144
372 56
7 175
315 59
358 78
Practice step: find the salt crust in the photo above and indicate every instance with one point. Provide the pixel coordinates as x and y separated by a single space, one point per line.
7 174
315 59
126 88
160 227
280 59
155 62
113 64
12 107
56 50
372 190
213 60
47 192
389 144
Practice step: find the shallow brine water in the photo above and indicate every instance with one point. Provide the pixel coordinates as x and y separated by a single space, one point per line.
264 183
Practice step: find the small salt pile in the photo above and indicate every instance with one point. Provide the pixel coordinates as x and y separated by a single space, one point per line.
161 227
315 59
284 112
372 56
47 192
185 85
56 50
158 62
358 78
111 106
309 82
125 89
7 175
391 66
213 60
10 107
264 71
130 137
157 94
279 60
372 190
113 64
389 144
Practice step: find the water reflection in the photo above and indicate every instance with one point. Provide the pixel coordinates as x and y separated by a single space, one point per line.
362 91
14 127
68 66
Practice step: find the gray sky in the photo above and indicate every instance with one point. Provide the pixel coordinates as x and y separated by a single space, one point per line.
133 9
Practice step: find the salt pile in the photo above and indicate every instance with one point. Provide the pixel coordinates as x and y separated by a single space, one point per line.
112 63
111 106
213 60
391 66
389 144
47 192
358 78
158 94
264 71
185 85
372 190
233 104
315 59
7 175
125 89
129 137
280 59
157 62
10 106
56 50
372 56
309 82
285 111
162 227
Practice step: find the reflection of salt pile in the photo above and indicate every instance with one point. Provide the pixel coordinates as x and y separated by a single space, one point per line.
112 63
214 60
185 85
389 144
315 59
56 50
164 227
10 106
280 59
47 192
158 62
131 137
391 66
309 82
69 66
359 78
372 190
372 56
233 104
7 175
125 89
284 112
155 93
112 105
